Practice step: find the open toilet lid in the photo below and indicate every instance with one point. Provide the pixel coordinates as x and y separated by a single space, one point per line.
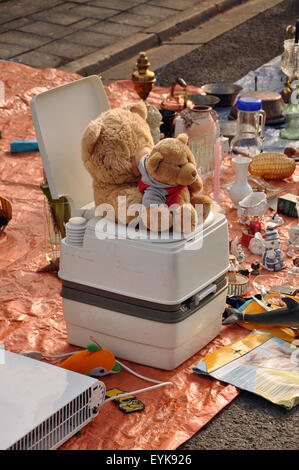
60 116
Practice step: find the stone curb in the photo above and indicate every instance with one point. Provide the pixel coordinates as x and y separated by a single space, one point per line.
152 37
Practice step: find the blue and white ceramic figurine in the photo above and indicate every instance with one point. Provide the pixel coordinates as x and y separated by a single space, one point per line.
273 257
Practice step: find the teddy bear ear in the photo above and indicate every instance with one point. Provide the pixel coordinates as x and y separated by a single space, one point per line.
139 108
183 138
90 136
154 162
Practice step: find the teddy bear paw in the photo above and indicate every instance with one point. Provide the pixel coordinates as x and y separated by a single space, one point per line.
185 219
157 218
202 206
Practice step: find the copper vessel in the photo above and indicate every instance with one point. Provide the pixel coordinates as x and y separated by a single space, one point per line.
176 101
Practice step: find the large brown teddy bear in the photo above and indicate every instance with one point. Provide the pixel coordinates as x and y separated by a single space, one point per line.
112 146
171 187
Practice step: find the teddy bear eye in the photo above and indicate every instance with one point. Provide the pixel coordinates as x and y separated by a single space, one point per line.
180 166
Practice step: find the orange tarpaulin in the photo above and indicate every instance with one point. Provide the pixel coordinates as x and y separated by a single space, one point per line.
31 316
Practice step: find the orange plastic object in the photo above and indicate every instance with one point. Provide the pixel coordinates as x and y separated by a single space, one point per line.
86 361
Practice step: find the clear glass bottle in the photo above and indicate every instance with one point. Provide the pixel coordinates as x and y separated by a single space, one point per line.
249 138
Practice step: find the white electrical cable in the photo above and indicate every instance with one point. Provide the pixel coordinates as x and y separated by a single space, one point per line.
139 375
39 355
127 394
158 382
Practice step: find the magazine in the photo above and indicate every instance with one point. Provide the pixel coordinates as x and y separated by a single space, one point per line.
259 363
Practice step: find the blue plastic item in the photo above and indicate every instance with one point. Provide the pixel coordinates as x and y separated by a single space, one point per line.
23 146
248 103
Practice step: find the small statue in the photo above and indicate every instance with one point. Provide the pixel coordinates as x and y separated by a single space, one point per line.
154 120
294 236
273 258
277 220
294 270
238 252
291 251
256 244
255 268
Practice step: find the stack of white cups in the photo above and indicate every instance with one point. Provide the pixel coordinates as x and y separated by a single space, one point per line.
75 229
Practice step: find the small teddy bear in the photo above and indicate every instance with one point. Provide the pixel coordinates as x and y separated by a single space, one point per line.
171 185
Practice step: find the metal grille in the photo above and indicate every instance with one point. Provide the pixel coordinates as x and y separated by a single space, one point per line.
52 432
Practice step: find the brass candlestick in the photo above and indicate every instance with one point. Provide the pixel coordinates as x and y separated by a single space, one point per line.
287 91
290 30
143 78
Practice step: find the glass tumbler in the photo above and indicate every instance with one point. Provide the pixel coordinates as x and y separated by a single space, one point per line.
57 214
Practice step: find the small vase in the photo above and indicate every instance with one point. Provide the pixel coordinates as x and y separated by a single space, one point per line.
240 187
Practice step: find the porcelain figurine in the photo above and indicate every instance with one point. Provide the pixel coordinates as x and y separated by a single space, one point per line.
154 120
293 272
256 244
253 205
277 220
290 251
237 251
294 236
273 257
255 268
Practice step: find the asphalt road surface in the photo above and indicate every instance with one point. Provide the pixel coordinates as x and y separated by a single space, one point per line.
232 55
249 422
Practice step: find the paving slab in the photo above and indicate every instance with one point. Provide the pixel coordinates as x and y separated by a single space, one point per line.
115 29
88 11
14 24
57 17
46 29
65 49
153 11
115 4
21 38
174 4
41 60
7 51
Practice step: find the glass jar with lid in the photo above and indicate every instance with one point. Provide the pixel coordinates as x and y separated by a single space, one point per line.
200 124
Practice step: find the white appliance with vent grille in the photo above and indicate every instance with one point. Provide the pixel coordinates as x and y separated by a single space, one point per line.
42 405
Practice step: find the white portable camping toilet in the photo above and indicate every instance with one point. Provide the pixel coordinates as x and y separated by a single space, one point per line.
152 301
